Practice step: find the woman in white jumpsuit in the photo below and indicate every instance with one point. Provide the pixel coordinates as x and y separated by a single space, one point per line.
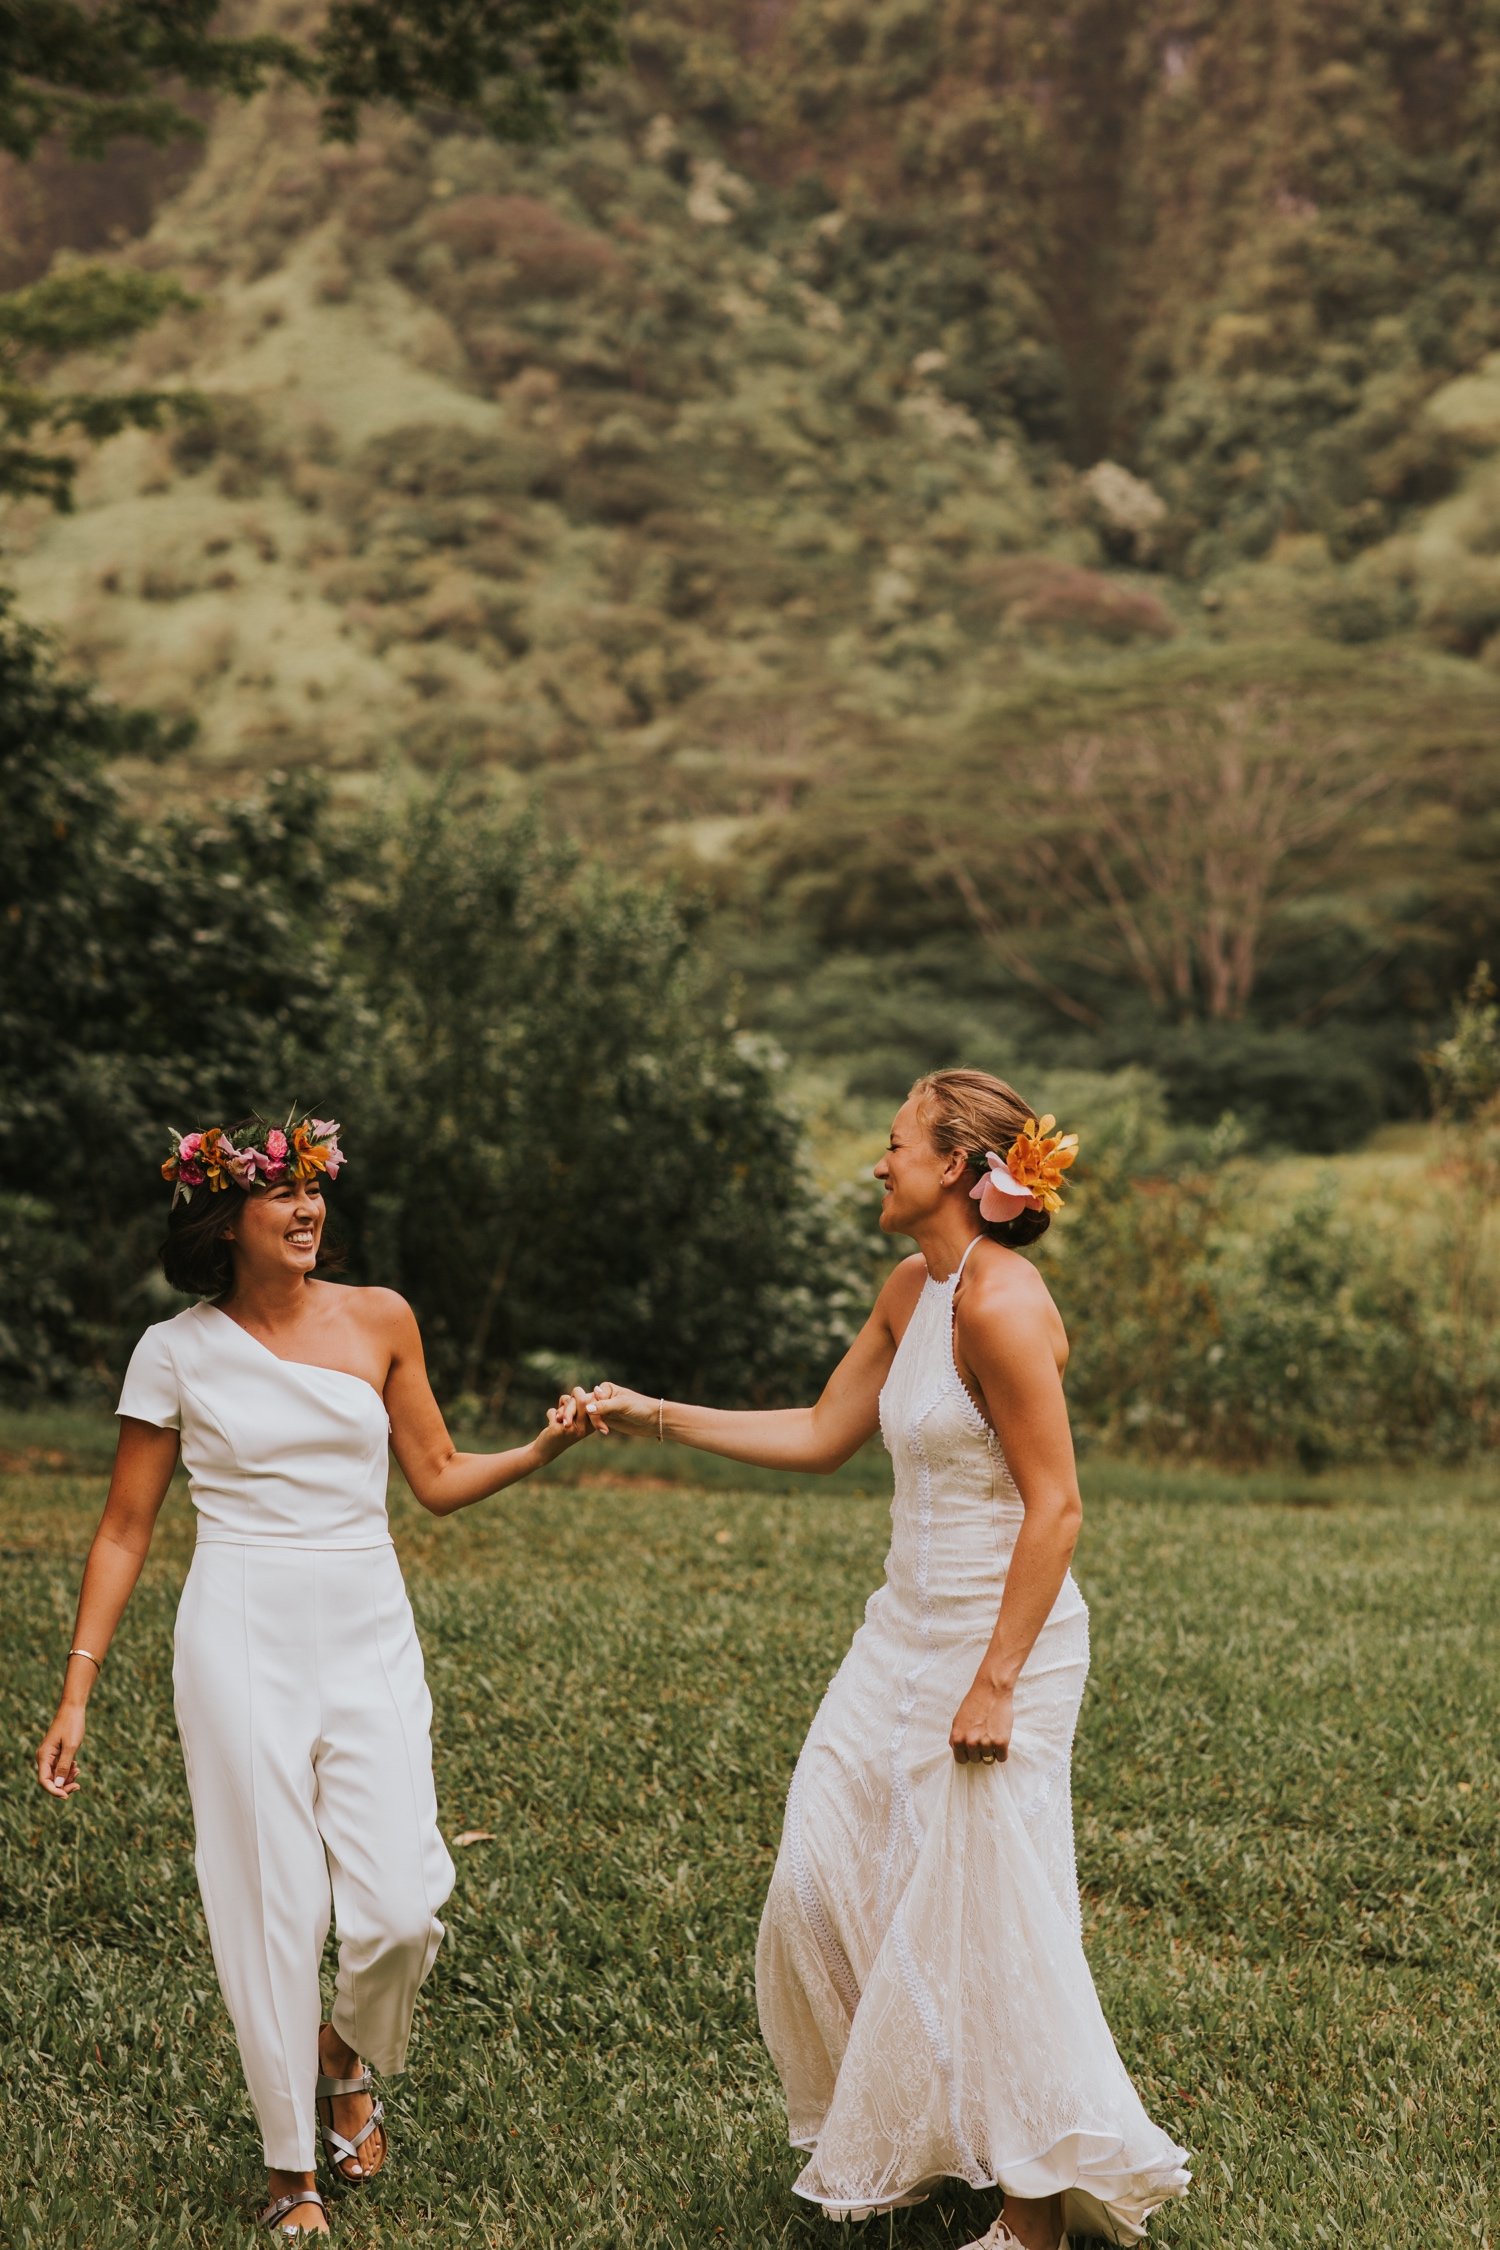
299 1688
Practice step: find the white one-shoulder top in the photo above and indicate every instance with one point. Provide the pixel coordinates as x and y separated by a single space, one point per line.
274 1450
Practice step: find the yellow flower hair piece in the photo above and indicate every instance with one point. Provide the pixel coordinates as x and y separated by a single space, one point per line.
1030 1176
1039 1156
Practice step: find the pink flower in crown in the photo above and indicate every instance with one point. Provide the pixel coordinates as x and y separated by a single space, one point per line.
188 1147
243 1166
273 1157
326 1129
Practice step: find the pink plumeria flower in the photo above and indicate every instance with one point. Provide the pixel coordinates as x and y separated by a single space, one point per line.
999 1194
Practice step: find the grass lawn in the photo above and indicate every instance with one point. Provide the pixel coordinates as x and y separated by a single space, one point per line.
1286 1790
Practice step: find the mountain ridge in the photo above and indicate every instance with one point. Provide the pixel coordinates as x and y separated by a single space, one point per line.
721 473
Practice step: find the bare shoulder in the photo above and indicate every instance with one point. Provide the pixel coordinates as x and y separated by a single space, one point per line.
900 1290
382 1313
1005 1298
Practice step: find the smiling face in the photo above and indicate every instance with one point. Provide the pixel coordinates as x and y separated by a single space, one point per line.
277 1231
916 1177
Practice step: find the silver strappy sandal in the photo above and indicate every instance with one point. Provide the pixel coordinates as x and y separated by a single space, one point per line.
275 2213
338 2150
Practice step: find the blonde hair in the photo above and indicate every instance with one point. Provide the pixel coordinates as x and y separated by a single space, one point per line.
966 1112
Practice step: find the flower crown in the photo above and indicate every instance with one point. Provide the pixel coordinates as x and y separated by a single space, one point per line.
1030 1176
253 1155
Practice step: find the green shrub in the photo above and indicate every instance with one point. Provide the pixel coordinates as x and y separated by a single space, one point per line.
1320 1350
521 246
45 1340
1204 1325
1460 606
436 467
148 974
230 429
564 1145
1321 1087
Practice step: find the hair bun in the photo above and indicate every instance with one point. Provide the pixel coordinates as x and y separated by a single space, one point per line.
1026 1226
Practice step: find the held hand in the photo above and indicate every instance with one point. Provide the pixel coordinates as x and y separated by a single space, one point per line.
56 1760
627 1413
567 1424
981 1732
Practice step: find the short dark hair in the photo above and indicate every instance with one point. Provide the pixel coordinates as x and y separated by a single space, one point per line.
195 1257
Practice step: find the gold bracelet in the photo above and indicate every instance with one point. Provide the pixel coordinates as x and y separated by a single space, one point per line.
661 1409
98 1667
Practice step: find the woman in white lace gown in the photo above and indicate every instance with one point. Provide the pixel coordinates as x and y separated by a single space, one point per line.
920 1974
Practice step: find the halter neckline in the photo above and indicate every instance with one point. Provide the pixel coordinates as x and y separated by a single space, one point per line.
950 1281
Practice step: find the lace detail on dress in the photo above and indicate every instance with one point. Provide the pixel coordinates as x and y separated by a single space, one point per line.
835 1959
920 1977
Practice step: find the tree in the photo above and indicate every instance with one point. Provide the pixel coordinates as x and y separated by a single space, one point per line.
100 73
173 971
95 74
1183 856
562 1144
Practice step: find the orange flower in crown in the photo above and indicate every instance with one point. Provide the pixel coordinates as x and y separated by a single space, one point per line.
1029 1176
315 1148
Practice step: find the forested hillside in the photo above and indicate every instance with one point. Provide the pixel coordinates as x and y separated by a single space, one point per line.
1004 502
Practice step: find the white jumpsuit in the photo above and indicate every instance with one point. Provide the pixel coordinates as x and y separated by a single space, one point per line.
302 1707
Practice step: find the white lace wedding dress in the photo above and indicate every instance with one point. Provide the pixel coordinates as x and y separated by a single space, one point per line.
920 1973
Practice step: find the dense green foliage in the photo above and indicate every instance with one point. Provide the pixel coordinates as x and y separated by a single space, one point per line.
1211 1318
101 74
561 1145
145 971
1285 1784
574 1159
569 1155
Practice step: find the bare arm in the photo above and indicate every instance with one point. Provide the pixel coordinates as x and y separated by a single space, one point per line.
1008 1336
144 1460
441 1477
818 1438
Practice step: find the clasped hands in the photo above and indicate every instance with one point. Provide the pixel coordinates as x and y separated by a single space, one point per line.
609 1408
